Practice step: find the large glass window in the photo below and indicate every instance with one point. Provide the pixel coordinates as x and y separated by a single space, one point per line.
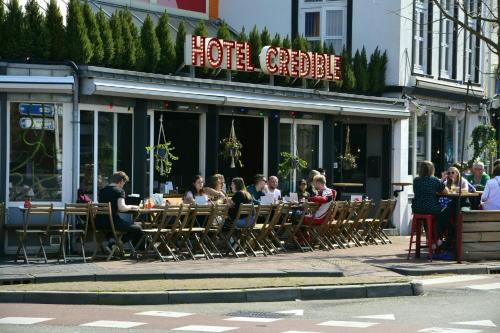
306 137
421 139
114 149
36 141
470 48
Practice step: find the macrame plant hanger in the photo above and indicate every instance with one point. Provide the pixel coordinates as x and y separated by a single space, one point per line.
161 152
232 137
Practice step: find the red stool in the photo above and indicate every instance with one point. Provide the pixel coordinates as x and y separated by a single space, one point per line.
416 228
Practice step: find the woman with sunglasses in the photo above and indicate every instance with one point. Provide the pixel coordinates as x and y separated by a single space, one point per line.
452 179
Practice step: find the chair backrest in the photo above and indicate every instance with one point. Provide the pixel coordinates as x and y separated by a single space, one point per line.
104 210
263 214
39 210
342 213
184 216
382 208
80 210
363 213
220 214
391 206
200 215
169 216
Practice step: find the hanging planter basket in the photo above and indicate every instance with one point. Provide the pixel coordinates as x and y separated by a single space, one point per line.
290 163
348 160
231 149
483 141
162 153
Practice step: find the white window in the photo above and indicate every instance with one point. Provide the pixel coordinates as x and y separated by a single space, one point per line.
334 32
470 43
447 40
420 37
324 23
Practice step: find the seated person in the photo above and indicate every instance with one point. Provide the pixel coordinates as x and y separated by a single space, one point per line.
240 196
324 197
272 188
256 190
491 195
478 178
114 194
497 162
196 192
214 188
426 200
302 193
310 178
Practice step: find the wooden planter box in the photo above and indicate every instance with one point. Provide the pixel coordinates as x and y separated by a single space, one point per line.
478 235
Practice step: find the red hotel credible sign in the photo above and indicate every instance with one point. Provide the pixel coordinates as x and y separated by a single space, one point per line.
218 53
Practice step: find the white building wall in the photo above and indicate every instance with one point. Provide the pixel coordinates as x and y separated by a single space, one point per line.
384 32
276 15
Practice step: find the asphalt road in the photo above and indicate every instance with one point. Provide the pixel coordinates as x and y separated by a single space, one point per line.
458 304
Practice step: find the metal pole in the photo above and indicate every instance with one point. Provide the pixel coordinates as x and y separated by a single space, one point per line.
458 245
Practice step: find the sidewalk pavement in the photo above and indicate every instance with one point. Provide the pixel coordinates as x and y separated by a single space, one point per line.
381 263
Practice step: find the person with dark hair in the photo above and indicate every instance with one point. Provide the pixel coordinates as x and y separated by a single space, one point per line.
497 162
426 201
491 194
302 192
114 194
196 192
256 190
240 196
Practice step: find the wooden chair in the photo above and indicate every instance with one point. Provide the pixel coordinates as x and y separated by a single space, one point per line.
319 233
235 235
200 220
300 233
278 228
41 231
74 211
103 210
335 232
372 225
176 237
262 217
355 226
213 228
154 242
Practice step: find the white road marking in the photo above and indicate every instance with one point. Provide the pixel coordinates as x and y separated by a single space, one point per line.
205 328
356 324
453 279
448 330
23 320
487 323
383 317
113 324
294 312
169 314
253 319
300 332
489 286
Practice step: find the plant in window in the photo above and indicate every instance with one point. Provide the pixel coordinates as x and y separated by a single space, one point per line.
163 155
290 163
232 148
349 160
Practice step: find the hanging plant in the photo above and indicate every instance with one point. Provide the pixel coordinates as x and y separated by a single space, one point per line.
483 141
163 155
232 148
348 160
290 163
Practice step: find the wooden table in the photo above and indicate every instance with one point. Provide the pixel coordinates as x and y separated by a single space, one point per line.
348 184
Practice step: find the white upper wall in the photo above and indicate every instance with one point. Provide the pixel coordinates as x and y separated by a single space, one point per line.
385 24
276 15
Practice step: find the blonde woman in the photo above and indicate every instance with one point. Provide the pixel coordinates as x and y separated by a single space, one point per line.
452 179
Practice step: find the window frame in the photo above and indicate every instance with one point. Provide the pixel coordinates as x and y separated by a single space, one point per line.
420 35
446 72
323 7
470 45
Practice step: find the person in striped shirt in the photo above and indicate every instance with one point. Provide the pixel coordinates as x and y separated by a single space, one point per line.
325 197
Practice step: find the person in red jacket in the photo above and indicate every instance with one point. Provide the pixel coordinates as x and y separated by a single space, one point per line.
324 197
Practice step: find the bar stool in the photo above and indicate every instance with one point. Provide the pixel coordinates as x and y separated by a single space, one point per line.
429 221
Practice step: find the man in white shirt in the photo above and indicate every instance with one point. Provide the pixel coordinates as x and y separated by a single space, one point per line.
491 194
272 187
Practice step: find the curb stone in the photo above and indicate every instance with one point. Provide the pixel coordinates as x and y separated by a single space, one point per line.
441 270
215 296
55 277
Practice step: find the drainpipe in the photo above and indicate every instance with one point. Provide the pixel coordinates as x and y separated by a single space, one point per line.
75 122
